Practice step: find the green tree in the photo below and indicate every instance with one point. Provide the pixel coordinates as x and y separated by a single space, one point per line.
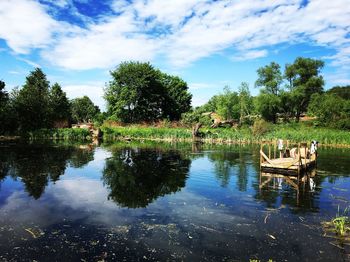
270 78
342 91
135 93
331 110
268 105
83 109
268 102
4 99
178 99
245 102
304 80
59 104
32 102
226 104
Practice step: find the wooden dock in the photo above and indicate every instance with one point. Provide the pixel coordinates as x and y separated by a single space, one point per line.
281 158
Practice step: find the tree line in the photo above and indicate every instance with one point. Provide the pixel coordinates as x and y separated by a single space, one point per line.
283 96
138 92
39 105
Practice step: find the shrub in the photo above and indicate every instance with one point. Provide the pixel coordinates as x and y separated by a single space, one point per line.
260 127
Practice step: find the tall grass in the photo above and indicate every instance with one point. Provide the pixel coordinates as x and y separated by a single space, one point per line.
60 134
294 133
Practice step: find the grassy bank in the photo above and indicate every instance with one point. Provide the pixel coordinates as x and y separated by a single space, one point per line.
59 134
292 132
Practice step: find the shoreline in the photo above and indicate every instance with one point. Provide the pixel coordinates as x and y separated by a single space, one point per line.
170 139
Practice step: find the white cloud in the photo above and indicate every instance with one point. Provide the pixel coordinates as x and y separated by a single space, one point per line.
181 32
25 25
251 54
93 91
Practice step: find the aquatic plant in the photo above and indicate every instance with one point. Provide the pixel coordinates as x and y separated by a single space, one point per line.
341 222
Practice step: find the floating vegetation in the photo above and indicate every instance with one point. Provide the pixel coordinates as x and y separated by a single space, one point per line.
339 228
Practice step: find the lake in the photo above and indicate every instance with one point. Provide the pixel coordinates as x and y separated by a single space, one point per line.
164 202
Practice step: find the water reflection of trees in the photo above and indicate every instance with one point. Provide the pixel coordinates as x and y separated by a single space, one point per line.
231 163
36 165
136 177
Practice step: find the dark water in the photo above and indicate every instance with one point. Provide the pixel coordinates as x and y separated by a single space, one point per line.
164 202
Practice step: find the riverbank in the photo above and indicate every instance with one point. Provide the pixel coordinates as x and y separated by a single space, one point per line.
245 135
291 132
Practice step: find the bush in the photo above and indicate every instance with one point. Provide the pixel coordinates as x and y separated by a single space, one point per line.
260 127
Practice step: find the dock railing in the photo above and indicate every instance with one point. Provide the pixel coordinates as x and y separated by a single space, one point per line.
284 156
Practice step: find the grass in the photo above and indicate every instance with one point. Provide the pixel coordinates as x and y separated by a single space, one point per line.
60 134
341 222
293 132
339 226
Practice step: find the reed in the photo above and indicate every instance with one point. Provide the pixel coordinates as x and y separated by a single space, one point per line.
59 134
293 133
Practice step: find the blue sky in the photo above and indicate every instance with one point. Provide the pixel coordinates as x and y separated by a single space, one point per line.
210 44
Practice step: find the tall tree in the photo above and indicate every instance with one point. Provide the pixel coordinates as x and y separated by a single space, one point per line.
135 93
59 104
304 80
83 109
341 91
245 101
33 102
177 98
270 78
4 99
268 102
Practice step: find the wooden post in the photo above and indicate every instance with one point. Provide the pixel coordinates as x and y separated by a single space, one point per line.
270 150
261 157
274 149
299 160
305 156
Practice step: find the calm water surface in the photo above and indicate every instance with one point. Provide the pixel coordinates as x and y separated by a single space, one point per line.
164 202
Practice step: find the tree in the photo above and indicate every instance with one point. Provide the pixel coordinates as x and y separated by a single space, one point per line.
59 104
304 80
268 102
330 110
4 99
135 93
226 104
245 102
268 105
178 99
32 102
83 109
341 91
270 78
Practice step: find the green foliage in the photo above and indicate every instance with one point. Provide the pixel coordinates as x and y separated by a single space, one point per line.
138 92
177 98
342 91
83 109
245 103
304 80
32 102
342 222
59 104
135 93
268 105
270 78
60 133
4 100
331 110
260 127
227 104
196 116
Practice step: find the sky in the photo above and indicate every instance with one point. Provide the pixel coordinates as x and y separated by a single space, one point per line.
209 44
